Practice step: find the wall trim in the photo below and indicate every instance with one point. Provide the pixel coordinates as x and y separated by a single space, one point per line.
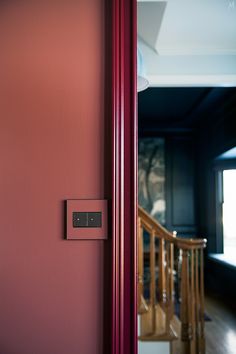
124 191
192 80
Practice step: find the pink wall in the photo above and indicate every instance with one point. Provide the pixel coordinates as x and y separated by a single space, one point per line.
51 149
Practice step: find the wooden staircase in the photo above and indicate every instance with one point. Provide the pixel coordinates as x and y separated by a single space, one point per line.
175 276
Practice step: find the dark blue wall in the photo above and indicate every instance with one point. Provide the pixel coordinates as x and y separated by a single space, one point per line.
199 124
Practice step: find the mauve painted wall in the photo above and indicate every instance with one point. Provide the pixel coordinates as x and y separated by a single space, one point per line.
51 149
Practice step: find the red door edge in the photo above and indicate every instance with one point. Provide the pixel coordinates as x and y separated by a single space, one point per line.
124 192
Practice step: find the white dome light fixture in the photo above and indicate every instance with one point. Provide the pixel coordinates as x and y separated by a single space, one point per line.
142 81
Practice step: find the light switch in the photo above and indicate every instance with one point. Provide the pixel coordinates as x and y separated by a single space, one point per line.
86 219
80 219
95 219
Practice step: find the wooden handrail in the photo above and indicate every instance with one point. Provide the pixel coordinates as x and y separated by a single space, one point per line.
162 284
150 223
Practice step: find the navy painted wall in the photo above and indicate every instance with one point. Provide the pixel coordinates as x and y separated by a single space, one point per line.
199 124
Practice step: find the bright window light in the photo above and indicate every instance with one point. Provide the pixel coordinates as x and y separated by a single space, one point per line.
229 213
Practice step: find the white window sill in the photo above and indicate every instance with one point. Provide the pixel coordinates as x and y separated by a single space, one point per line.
224 259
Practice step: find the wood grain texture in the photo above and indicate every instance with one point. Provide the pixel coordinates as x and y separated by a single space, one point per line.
161 232
153 281
157 322
160 331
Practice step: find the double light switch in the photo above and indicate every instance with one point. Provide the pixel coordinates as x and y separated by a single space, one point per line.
87 219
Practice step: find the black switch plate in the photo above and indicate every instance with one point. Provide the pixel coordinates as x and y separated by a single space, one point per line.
80 219
95 219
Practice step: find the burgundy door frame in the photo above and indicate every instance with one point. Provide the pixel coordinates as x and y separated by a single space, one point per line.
124 204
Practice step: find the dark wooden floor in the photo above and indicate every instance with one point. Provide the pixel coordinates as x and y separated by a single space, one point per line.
221 331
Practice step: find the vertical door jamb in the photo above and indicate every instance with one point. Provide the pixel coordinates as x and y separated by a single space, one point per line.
124 203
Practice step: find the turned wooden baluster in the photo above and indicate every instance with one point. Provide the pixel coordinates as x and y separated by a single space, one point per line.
140 264
168 272
153 281
169 284
192 302
161 275
197 299
142 306
186 332
172 290
166 304
202 346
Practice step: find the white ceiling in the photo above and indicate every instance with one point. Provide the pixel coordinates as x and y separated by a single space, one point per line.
188 42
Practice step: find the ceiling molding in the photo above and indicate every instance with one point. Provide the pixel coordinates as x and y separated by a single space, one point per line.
188 43
192 80
171 51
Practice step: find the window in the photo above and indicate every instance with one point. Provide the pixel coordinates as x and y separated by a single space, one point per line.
229 213
225 172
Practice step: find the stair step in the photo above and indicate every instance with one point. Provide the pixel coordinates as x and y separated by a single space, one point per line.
143 308
160 337
162 333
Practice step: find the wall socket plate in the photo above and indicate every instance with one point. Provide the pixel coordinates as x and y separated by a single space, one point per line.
86 219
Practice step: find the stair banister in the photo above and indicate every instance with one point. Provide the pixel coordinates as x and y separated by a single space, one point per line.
191 287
